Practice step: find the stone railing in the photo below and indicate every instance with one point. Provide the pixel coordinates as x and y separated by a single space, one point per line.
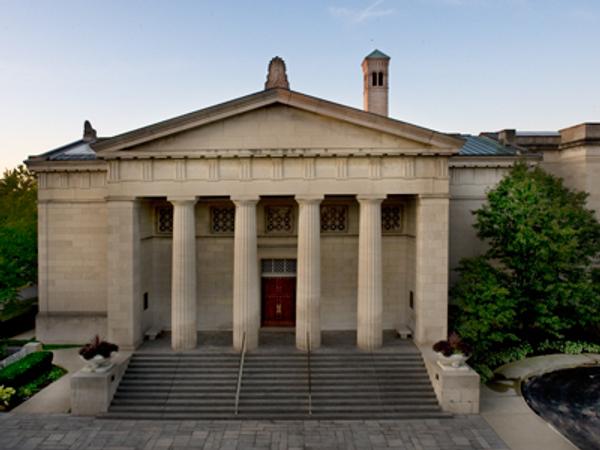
28 348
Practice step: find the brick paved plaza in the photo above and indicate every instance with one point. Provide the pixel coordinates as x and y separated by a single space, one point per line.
65 432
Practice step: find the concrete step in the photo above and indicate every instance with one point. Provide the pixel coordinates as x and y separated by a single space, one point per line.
127 382
395 415
168 401
275 386
143 395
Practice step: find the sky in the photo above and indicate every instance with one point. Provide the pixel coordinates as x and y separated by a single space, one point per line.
456 65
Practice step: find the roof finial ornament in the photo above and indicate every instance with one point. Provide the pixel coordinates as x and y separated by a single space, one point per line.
89 134
277 76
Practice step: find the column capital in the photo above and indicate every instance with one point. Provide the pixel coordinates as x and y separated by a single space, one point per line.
371 198
309 198
182 199
245 199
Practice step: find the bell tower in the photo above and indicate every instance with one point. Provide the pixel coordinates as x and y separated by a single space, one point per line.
375 82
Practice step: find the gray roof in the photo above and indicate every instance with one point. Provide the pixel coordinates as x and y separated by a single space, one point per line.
474 146
484 146
75 151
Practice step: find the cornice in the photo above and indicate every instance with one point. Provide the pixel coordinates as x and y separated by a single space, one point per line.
457 162
273 153
66 166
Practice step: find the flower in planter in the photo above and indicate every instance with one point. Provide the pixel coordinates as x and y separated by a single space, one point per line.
97 347
454 345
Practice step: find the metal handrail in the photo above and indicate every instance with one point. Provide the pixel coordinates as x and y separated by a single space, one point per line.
309 374
240 374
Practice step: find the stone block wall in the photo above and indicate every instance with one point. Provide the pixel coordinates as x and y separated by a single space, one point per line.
72 271
468 187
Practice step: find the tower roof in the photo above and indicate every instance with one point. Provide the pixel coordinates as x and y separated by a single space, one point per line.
377 54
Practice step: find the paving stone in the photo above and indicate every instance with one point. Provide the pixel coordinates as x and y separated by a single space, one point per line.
26 432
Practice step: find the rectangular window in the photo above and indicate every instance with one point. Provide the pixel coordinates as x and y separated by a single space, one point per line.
279 219
164 219
334 218
222 219
391 218
278 266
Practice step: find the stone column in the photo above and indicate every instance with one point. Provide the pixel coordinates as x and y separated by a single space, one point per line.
184 333
370 298
246 302
308 282
431 283
124 303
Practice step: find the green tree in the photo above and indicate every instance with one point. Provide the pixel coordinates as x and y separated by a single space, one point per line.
18 231
535 285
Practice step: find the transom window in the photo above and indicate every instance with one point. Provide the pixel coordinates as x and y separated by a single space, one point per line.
278 266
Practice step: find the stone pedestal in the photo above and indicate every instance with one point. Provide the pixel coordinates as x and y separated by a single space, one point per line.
184 334
308 281
91 393
370 297
246 301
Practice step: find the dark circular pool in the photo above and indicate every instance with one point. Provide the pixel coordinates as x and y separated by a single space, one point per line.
570 400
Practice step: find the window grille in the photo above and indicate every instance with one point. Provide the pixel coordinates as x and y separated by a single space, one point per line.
222 219
334 218
391 219
164 219
279 219
278 266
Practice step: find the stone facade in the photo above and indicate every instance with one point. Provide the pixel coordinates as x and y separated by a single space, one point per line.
167 227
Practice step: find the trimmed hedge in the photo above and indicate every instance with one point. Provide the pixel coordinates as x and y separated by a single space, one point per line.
26 369
18 323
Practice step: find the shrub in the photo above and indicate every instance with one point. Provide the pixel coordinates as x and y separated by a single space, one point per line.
26 369
6 394
534 290
36 385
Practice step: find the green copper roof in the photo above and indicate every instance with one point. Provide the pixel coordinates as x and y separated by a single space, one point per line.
377 54
484 146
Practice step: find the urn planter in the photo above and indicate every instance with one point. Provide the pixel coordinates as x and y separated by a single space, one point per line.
454 361
97 364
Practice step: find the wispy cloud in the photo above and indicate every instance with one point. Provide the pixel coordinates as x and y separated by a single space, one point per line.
361 15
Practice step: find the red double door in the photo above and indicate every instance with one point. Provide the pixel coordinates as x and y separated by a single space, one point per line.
279 301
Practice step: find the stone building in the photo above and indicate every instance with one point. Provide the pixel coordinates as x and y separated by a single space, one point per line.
276 209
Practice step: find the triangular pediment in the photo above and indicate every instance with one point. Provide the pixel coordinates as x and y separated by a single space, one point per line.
277 119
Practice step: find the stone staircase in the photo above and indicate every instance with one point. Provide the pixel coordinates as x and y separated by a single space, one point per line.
178 386
344 385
